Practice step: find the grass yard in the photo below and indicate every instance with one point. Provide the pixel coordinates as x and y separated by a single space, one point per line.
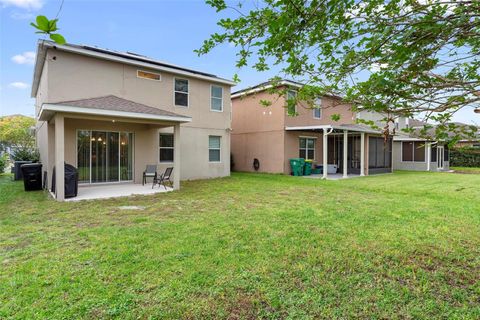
401 246
473 170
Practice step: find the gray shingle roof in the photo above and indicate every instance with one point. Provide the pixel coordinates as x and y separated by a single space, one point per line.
115 103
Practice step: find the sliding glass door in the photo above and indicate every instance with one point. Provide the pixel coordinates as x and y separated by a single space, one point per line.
104 156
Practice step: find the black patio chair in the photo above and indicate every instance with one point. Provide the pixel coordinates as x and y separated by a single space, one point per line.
150 172
164 178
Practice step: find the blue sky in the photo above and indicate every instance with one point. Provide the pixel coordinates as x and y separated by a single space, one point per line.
165 30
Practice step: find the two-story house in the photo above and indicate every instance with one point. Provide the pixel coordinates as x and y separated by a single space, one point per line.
269 137
111 113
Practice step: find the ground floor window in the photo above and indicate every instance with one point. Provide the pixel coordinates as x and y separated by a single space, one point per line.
166 147
104 156
214 148
413 151
307 148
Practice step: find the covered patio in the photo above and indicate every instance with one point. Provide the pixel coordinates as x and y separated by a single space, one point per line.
105 191
350 147
110 141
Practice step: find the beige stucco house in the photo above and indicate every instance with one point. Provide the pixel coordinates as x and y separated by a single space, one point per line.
272 137
110 114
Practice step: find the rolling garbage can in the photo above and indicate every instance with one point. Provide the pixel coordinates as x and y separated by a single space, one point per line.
307 169
296 165
17 170
32 176
71 181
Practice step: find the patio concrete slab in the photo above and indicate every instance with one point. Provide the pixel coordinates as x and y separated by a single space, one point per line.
106 191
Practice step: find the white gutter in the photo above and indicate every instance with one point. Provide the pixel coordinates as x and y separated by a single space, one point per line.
110 113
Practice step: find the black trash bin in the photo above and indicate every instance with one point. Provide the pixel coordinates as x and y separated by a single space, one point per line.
17 171
32 176
71 181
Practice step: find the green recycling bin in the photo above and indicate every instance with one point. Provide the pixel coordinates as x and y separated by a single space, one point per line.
307 169
297 166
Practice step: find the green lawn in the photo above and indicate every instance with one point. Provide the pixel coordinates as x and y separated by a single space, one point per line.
473 170
401 246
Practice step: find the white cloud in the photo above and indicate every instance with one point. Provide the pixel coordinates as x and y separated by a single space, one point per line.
24 4
19 85
27 57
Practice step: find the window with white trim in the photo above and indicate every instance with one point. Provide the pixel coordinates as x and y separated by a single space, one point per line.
291 102
181 92
166 147
214 148
317 111
307 148
148 75
216 98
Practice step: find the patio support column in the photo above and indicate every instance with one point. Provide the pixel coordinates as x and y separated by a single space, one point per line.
345 153
362 154
429 153
176 157
325 153
59 158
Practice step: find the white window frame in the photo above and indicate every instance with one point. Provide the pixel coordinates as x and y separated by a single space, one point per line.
160 147
295 93
159 75
307 148
212 97
175 91
219 149
318 105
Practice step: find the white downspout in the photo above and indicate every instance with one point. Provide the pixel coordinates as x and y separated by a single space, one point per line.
325 151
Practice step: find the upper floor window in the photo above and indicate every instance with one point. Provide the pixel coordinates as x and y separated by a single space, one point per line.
317 112
216 98
166 147
148 75
413 151
291 102
181 92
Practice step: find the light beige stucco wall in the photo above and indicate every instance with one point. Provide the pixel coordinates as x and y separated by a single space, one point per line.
41 127
73 77
330 106
258 132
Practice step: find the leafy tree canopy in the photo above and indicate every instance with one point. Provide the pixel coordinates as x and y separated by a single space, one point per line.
397 57
17 132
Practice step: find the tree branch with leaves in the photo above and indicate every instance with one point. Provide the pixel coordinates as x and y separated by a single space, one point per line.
397 57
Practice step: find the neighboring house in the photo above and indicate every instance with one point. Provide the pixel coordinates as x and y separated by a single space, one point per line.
110 114
416 152
271 136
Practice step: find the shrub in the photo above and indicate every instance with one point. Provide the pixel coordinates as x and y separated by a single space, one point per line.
26 154
465 157
3 162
